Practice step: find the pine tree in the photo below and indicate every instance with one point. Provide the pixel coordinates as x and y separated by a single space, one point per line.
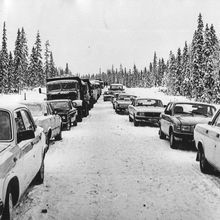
17 63
47 56
197 59
155 70
53 72
40 73
4 63
186 88
33 69
67 70
24 60
179 76
10 72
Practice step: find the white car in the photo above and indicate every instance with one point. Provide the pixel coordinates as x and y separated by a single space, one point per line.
44 117
22 151
207 141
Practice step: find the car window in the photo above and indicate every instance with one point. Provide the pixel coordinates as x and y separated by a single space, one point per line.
36 109
27 120
217 121
149 102
5 126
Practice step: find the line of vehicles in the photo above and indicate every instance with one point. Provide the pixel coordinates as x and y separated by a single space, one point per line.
26 129
180 122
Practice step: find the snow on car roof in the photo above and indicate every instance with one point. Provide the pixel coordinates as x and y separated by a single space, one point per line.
59 100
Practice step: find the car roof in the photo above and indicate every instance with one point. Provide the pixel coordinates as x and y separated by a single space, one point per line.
59 100
116 84
189 102
141 98
61 81
11 106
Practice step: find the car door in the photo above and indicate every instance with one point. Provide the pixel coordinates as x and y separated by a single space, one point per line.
51 120
165 119
26 149
35 144
216 147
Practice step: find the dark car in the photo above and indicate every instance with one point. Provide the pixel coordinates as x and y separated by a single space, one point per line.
64 108
107 96
180 118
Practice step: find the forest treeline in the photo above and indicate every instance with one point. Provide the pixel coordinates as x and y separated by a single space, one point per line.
193 71
20 69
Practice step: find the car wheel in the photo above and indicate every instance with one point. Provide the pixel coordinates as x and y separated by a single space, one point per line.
68 126
8 212
75 123
39 179
79 116
136 123
161 134
130 119
173 141
59 136
205 167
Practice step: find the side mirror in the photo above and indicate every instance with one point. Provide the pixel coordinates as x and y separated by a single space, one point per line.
40 90
167 112
210 123
25 135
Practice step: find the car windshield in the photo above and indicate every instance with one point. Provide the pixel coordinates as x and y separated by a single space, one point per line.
53 87
149 102
124 98
5 126
194 109
116 87
60 106
36 109
69 85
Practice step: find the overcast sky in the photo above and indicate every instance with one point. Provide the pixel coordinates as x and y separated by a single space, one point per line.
89 34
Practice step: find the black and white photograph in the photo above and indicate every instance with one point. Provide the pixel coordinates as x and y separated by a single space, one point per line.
109 109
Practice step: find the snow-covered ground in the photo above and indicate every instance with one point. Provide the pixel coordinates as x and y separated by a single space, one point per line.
105 168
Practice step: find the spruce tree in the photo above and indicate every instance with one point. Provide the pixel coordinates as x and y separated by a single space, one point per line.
47 57
10 72
4 62
179 76
197 58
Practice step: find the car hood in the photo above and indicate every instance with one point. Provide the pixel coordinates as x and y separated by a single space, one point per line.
149 109
190 120
124 102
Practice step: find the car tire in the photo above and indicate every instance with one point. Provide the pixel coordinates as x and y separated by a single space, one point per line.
68 126
173 141
75 123
59 136
8 212
161 134
39 179
130 119
205 167
136 123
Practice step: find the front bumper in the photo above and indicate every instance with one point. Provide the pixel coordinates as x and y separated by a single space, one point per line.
147 119
107 98
183 135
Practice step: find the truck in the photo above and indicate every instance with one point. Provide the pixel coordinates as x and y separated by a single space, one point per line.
70 88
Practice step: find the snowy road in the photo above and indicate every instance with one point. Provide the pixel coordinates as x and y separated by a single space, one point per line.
105 168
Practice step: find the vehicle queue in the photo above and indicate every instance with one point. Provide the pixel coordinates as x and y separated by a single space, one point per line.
195 123
26 131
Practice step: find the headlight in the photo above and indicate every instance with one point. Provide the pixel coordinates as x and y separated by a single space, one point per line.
140 113
178 127
186 128
64 117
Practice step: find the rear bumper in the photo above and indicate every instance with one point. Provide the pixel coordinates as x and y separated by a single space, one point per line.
107 98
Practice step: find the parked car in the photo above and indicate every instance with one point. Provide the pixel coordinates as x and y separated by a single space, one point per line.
123 101
64 108
145 110
180 118
207 141
22 151
44 117
107 96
